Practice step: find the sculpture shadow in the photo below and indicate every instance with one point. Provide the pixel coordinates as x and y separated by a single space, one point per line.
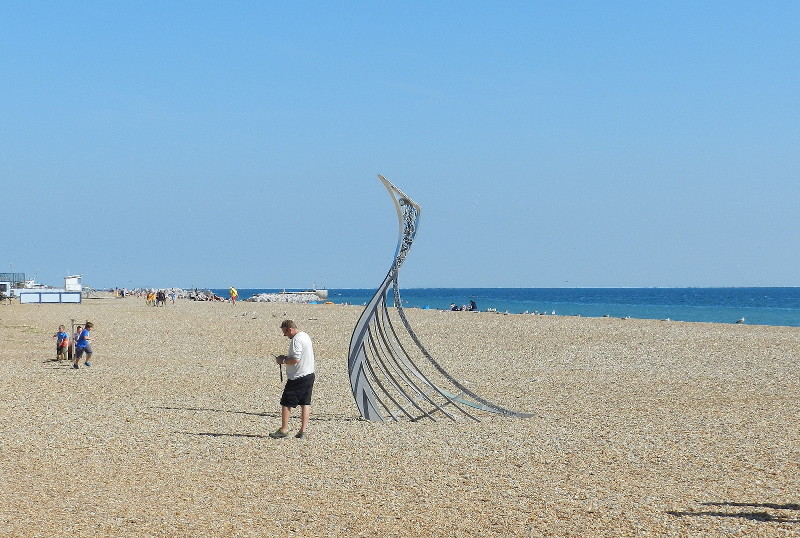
761 516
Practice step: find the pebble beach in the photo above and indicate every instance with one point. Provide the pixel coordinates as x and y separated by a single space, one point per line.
640 428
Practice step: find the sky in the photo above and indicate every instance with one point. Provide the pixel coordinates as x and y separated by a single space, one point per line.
548 143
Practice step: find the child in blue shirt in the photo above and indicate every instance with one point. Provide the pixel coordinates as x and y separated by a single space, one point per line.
62 343
83 345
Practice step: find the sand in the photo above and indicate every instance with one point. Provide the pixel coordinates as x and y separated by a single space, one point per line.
641 428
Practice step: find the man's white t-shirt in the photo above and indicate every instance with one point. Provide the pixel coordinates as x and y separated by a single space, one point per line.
300 348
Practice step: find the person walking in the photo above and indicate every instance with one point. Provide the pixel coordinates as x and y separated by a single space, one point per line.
299 379
234 295
83 345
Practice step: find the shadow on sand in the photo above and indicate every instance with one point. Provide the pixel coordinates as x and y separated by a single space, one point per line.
727 509
273 414
212 434
321 417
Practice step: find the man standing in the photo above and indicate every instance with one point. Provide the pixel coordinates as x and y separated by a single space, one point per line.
234 294
299 379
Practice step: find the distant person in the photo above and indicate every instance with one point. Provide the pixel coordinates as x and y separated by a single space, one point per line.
234 295
172 295
62 343
454 307
83 345
299 379
472 306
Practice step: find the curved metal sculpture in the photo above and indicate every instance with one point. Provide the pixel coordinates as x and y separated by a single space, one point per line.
383 375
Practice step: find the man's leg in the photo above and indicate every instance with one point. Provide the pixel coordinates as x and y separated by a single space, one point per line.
305 412
285 414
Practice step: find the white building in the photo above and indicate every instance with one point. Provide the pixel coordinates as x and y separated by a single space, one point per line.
73 283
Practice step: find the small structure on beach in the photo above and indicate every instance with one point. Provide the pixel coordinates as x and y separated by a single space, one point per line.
73 283
70 293
384 363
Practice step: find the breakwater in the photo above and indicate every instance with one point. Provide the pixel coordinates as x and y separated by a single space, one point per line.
287 297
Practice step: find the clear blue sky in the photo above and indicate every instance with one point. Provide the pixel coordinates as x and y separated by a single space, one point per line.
549 144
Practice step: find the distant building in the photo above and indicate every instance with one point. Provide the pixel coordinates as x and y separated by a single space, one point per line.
15 279
73 283
30 292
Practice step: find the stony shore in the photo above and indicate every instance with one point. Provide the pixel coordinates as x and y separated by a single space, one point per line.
641 428
287 297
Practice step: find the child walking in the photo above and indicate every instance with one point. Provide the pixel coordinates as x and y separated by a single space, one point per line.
83 345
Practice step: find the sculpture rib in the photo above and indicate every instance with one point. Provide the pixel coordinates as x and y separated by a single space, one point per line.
383 374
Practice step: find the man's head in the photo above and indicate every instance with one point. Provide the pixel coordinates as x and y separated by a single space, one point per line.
289 328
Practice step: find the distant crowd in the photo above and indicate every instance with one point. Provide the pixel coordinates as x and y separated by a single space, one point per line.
152 297
159 297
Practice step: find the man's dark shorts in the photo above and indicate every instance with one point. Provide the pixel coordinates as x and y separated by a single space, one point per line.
79 351
298 391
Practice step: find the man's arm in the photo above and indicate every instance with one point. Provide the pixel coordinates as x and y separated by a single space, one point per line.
286 359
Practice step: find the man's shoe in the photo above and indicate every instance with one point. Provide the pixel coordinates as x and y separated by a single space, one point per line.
75 366
279 434
86 364
300 435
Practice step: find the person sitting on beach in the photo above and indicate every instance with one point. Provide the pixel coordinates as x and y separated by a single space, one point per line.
472 306
454 307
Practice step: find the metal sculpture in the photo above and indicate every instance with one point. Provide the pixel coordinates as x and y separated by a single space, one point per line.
384 377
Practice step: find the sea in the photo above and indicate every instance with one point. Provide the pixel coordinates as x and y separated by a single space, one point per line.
752 306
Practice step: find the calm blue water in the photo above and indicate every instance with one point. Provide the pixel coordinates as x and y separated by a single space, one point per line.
759 306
